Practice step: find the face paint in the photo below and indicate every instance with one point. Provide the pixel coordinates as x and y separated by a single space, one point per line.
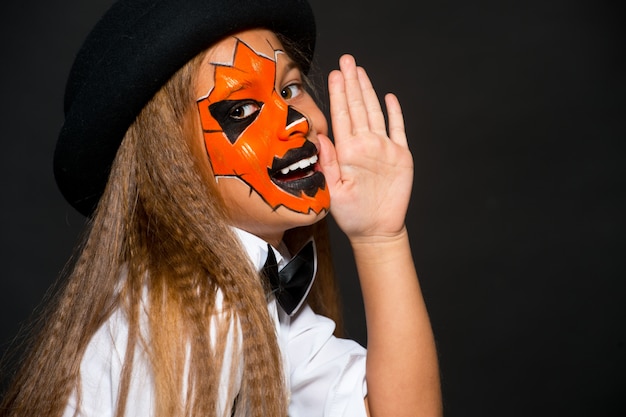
251 133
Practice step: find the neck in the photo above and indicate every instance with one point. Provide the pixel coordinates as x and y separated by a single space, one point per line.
273 239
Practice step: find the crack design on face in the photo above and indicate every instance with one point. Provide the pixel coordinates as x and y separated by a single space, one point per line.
252 133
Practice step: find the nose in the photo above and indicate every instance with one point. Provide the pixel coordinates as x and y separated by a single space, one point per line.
296 124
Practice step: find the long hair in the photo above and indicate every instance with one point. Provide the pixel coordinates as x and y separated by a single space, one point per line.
159 242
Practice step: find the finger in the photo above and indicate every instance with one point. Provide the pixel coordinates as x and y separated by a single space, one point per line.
397 131
375 116
354 96
339 113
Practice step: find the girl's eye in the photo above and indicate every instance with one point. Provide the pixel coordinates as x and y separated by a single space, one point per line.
291 91
244 110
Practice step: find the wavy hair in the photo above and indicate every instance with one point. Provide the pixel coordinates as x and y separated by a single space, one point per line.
160 242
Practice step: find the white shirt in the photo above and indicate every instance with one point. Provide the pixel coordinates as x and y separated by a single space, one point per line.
325 374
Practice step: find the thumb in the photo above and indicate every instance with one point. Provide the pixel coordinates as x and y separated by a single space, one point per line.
328 162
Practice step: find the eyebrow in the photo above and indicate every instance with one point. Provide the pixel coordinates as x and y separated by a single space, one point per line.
289 66
238 85
291 63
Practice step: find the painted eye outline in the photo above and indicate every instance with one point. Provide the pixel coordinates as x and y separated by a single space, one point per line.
296 85
249 107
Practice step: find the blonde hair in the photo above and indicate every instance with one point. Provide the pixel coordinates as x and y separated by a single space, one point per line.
162 225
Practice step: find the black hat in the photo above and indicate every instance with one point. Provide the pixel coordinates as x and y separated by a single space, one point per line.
129 55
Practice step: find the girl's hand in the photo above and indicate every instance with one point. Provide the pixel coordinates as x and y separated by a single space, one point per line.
369 171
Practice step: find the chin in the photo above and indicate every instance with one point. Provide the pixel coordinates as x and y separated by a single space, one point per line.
249 211
282 219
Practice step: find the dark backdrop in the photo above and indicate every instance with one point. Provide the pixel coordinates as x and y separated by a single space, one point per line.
515 112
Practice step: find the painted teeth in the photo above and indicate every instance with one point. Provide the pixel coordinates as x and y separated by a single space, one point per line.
305 163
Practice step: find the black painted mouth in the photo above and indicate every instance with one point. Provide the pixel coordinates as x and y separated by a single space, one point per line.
305 178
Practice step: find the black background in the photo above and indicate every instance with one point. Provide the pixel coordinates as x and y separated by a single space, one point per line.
515 112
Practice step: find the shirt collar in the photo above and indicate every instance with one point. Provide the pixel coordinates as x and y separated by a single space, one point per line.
256 248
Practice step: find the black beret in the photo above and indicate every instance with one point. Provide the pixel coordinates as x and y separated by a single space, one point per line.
129 55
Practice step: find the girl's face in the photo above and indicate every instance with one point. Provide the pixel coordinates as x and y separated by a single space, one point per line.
260 133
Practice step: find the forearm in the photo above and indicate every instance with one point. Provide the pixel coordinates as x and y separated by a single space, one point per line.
369 172
402 367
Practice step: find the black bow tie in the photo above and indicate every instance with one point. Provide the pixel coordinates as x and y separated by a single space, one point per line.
291 284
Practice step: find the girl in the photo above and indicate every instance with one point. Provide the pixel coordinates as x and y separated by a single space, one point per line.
204 164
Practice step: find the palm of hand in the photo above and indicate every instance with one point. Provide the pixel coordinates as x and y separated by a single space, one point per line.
369 172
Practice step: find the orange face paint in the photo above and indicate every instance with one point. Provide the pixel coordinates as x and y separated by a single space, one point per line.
252 133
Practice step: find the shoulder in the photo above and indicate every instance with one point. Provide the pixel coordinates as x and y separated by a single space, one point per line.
101 370
326 373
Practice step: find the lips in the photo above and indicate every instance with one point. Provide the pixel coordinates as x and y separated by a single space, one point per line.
296 172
